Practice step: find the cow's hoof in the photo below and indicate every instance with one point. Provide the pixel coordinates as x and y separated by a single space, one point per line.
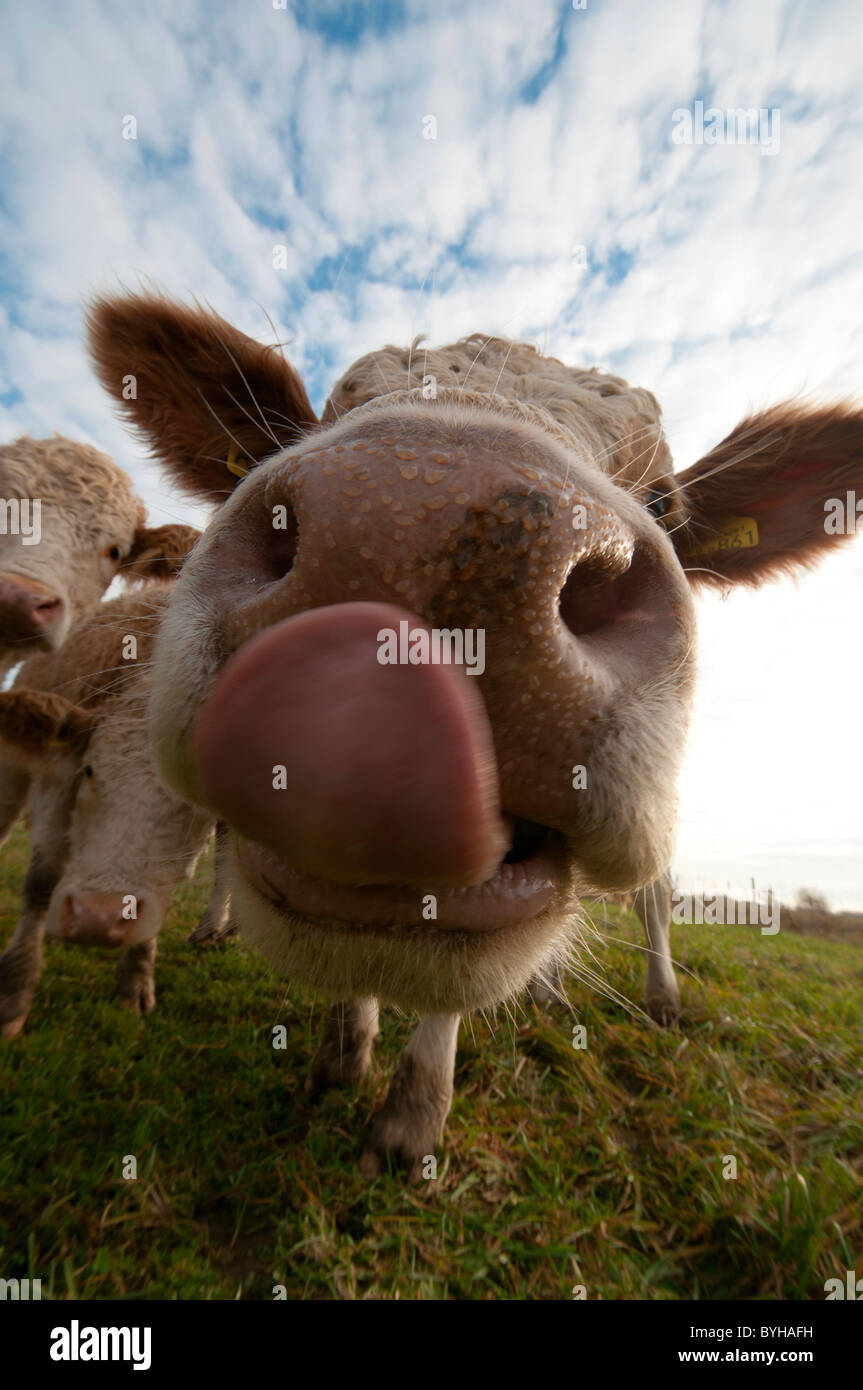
390 1141
14 1004
11 1027
140 999
209 932
664 1009
339 1066
406 1131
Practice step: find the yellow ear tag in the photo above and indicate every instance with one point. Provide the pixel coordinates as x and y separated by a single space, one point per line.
234 464
735 533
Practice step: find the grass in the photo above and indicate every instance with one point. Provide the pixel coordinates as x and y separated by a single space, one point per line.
601 1167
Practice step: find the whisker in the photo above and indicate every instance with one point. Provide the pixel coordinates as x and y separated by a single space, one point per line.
252 395
222 426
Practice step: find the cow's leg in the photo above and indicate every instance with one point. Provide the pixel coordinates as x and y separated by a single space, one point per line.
345 1053
546 986
409 1125
653 907
136 986
14 784
21 962
216 924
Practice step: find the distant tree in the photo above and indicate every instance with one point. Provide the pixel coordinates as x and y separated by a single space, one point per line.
813 900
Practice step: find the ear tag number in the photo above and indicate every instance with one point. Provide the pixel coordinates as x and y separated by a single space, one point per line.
735 533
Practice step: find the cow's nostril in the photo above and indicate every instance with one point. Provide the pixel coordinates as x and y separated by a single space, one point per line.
597 590
47 610
279 549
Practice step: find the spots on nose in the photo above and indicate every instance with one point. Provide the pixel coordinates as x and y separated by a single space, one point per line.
494 558
504 526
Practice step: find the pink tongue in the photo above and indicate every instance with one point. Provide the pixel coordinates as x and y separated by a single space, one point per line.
389 770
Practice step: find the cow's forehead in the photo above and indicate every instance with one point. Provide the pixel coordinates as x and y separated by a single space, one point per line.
618 425
60 469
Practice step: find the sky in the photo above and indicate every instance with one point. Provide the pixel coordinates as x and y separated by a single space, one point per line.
554 205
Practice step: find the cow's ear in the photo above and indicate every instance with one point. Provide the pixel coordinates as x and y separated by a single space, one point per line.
778 493
158 552
209 402
37 725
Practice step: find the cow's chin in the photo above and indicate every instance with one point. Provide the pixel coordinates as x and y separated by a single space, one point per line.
425 965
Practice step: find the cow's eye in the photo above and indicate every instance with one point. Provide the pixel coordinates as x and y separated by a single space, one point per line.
656 502
88 771
114 552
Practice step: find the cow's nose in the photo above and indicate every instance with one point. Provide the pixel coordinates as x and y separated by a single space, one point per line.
349 768
95 919
28 609
368 774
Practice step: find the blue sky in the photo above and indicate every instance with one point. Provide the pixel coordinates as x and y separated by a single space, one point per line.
719 277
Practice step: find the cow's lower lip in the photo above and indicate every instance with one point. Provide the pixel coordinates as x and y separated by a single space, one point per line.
516 893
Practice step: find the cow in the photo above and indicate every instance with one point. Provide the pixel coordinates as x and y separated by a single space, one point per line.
108 841
404 830
69 524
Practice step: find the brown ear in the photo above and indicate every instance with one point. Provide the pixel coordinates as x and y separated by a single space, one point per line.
37 724
208 401
778 493
158 552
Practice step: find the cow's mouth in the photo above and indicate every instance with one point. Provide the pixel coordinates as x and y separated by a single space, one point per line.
526 881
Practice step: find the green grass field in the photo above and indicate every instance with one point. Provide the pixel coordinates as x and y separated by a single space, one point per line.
601 1167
